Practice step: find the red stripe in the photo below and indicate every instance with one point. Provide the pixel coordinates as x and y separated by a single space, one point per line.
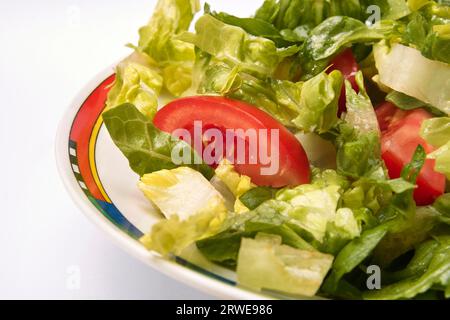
82 128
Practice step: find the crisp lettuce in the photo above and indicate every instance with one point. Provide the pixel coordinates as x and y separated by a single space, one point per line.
404 69
159 60
436 132
414 231
233 46
434 270
137 82
332 36
353 254
190 216
427 29
174 57
264 262
224 247
360 112
169 191
314 208
173 235
236 183
253 198
318 103
311 207
358 154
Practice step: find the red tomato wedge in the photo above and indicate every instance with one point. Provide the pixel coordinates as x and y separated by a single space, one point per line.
400 138
225 116
346 63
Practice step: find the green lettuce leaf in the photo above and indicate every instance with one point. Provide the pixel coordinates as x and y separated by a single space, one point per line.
170 191
236 183
406 102
147 148
406 70
413 231
358 154
233 46
224 247
314 208
360 112
428 30
436 132
173 235
264 262
254 26
318 103
390 9
437 272
137 82
253 198
174 58
332 36
353 254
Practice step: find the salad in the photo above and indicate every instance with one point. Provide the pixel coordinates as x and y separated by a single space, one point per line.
306 147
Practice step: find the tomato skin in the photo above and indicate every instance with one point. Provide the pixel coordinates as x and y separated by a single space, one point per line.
346 63
400 138
223 113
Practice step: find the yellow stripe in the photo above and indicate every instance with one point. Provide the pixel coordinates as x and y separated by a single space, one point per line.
92 164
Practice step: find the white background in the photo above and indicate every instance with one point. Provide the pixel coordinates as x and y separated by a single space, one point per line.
48 51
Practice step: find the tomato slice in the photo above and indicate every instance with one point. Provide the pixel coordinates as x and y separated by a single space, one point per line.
226 115
346 63
400 138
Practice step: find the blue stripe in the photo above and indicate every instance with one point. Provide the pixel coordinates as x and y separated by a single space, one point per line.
117 217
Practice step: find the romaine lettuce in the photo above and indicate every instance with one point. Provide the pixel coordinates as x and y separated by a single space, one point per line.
170 190
318 105
175 58
224 247
406 70
436 132
265 263
137 82
236 183
436 273
233 46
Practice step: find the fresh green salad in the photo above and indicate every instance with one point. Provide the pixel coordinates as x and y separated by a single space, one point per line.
306 148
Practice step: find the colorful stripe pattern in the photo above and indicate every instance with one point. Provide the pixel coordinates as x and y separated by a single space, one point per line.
82 143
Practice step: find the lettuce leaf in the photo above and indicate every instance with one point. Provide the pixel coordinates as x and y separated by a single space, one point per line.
253 198
146 148
428 30
314 208
224 247
236 183
353 254
137 82
173 235
437 273
332 36
175 58
436 132
318 105
358 154
254 26
360 112
406 70
170 190
264 262
233 46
